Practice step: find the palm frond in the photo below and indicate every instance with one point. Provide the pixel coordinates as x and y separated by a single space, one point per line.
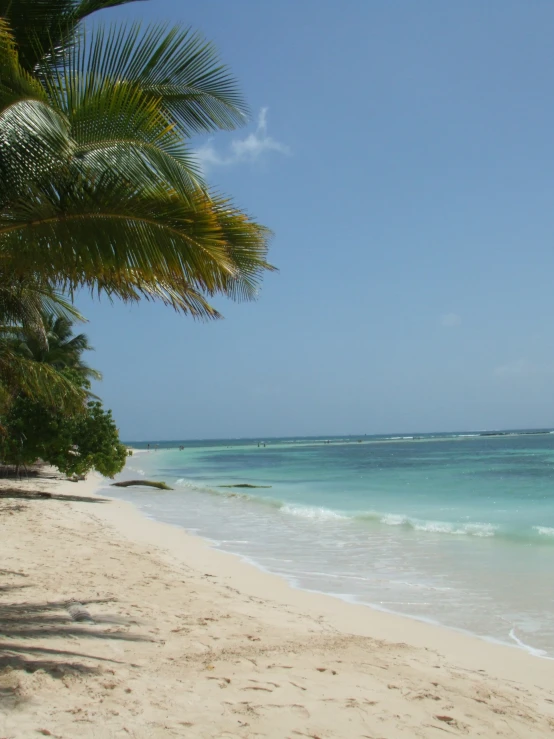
33 136
38 380
55 303
43 29
35 24
97 185
19 307
83 8
23 300
62 350
247 244
178 295
118 127
171 64
109 231
15 81
28 304
34 140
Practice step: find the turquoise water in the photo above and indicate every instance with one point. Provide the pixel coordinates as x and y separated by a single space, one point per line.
455 529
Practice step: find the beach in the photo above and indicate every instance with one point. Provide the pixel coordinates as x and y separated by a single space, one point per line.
437 529
184 640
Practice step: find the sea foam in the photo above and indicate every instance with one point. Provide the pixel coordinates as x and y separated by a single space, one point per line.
318 514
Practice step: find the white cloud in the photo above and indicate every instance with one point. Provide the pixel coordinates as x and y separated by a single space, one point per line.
449 320
513 369
247 149
524 368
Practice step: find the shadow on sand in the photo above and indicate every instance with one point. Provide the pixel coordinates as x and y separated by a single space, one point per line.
42 635
22 623
17 493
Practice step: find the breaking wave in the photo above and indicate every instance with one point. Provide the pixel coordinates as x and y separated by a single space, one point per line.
317 514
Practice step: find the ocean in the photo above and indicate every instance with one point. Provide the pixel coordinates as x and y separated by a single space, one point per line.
454 529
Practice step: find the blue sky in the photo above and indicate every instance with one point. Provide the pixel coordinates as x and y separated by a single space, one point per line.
403 154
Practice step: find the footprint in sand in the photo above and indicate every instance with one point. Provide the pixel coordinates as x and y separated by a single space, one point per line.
424 695
223 682
296 708
257 687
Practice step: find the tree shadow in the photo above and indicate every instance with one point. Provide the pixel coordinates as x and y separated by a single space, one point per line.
3 573
15 472
7 588
17 493
21 624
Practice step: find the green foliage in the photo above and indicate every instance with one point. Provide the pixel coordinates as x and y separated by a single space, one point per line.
38 380
74 444
37 348
61 349
98 185
96 441
74 437
99 188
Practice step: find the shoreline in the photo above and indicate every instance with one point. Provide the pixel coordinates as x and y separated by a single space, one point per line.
385 624
212 544
510 639
199 638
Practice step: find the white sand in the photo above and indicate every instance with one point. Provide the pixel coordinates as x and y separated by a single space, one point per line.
190 642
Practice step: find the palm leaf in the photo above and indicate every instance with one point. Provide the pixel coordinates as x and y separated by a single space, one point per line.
98 189
26 303
117 127
247 245
43 29
178 295
171 64
35 23
63 349
83 8
33 136
38 380
110 231
15 81
33 141
55 303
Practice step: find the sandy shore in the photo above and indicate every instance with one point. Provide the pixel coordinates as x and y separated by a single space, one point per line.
186 641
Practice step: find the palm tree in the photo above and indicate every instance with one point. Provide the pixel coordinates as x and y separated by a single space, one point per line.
29 310
62 350
26 302
98 186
